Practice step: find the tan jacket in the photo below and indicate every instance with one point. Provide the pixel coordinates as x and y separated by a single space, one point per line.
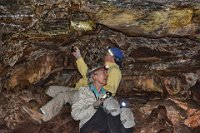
83 108
114 76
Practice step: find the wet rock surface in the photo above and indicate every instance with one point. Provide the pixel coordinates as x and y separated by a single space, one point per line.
161 68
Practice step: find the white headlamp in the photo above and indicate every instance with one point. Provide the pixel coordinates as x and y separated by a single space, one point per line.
110 52
123 104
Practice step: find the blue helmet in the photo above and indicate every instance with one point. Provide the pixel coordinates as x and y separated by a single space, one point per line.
117 54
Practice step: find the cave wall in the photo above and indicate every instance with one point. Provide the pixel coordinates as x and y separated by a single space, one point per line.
159 38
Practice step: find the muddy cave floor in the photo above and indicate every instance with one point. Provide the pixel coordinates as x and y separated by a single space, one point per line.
149 118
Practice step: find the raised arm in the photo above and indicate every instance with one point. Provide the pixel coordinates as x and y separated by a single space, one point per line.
82 68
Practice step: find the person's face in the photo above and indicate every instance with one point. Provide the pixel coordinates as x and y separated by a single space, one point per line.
108 57
100 76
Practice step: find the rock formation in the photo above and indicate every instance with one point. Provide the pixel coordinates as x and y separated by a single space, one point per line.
160 39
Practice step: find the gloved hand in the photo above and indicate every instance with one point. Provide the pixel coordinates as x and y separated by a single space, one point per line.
76 53
101 99
127 118
98 103
112 106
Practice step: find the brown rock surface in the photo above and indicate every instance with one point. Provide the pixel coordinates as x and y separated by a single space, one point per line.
160 39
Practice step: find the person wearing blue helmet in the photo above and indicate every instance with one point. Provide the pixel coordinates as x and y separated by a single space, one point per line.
113 60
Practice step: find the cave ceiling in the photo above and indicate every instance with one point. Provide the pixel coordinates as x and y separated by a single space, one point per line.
160 39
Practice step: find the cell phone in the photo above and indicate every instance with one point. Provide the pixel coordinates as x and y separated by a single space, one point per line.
73 49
